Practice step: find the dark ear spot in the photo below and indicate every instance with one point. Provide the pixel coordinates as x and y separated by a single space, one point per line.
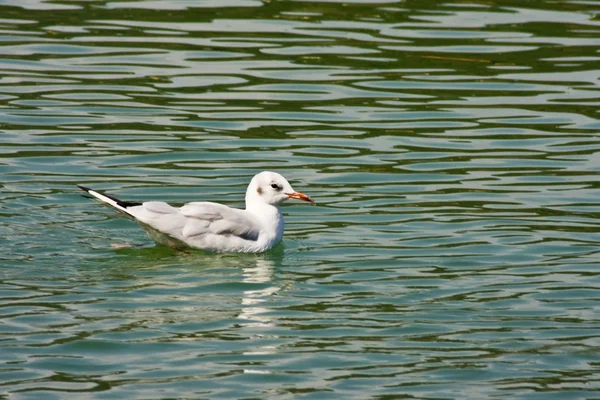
259 190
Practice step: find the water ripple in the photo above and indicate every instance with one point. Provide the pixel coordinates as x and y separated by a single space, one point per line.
451 148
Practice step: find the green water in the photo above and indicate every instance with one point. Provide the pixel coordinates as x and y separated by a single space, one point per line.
452 148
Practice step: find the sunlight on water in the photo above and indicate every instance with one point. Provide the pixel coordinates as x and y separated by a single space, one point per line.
451 148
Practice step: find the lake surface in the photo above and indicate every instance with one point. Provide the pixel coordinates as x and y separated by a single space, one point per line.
452 148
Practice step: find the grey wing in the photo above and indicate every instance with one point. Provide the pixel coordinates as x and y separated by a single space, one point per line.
162 221
206 217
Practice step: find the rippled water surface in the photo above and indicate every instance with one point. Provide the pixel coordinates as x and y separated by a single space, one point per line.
452 148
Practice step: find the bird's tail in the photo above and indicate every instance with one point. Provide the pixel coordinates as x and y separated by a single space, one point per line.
109 200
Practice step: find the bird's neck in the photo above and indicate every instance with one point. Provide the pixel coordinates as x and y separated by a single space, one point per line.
270 216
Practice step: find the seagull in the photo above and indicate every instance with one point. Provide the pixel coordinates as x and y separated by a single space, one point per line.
213 226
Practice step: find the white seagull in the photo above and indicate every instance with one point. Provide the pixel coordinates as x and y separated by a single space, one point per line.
212 226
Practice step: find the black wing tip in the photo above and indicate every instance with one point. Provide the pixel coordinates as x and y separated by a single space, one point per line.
124 204
127 204
84 188
87 191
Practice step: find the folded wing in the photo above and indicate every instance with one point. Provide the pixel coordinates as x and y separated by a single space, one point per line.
218 219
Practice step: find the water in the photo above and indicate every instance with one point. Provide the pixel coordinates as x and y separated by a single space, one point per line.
451 147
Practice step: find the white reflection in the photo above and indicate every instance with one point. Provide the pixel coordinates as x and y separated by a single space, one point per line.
253 309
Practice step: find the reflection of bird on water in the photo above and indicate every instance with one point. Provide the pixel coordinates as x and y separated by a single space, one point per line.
252 309
262 272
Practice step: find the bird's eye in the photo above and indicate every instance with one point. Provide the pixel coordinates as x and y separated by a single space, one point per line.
276 186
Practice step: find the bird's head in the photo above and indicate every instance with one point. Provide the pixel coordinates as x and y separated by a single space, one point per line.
272 188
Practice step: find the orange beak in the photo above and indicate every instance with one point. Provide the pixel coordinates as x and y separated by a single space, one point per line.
300 196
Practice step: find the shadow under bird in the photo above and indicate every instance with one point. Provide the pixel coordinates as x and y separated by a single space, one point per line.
213 226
